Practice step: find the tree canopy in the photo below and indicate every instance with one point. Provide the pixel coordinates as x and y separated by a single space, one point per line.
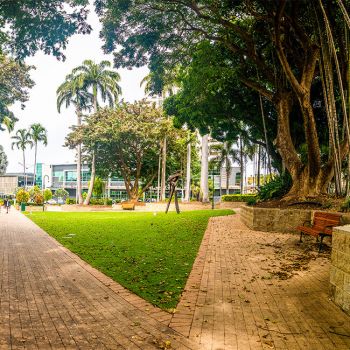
127 141
292 54
32 25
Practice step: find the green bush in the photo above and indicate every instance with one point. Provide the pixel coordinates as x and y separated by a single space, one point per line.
70 201
237 197
22 196
276 188
100 201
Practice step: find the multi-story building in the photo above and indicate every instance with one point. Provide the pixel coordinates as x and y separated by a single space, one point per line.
57 176
11 181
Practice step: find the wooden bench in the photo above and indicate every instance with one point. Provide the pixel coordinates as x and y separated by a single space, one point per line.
128 206
321 226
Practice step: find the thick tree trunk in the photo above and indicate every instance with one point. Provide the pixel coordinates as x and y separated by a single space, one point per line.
92 180
227 179
163 177
241 163
188 173
204 188
79 185
35 153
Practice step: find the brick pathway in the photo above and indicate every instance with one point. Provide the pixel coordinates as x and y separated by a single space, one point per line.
236 296
50 299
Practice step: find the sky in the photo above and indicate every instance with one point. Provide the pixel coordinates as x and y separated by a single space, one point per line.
41 107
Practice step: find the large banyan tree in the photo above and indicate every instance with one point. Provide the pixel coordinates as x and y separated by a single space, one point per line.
294 54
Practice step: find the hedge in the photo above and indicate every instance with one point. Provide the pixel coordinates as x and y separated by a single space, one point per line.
237 197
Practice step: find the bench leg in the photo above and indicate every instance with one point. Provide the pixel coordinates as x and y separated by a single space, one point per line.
320 244
301 236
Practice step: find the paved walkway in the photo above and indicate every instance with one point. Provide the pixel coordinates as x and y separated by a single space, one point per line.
247 290
50 299
258 290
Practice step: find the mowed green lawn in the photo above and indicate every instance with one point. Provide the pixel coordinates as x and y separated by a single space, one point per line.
151 255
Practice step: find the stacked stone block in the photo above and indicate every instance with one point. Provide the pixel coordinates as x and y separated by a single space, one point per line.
340 268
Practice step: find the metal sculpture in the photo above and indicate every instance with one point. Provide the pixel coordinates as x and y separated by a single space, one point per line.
172 180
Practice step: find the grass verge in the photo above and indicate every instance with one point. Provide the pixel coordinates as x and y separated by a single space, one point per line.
151 255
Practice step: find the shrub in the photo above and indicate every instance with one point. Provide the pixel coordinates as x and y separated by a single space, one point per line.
61 193
237 197
100 201
47 194
33 192
38 198
252 200
22 196
276 188
71 201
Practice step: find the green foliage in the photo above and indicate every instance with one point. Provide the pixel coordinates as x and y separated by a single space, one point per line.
33 192
3 161
276 188
14 85
345 207
99 187
101 201
237 197
252 201
47 194
29 26
22 196
71 201
126 140
151 255
61 193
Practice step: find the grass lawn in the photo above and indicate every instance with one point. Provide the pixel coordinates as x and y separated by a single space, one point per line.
151 255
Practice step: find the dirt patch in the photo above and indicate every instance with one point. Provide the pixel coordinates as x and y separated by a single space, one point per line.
328 203
289 257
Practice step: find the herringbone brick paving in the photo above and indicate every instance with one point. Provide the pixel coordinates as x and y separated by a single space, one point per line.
258 290
247 290
50 299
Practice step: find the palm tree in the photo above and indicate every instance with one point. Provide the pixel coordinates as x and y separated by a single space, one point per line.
168 86
38 134
223 154
101 81
71 92
22 139
204 185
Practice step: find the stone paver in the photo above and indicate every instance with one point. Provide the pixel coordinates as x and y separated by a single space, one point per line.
236 297
50 299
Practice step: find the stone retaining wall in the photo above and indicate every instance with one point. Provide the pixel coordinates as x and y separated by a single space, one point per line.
340 268
274 220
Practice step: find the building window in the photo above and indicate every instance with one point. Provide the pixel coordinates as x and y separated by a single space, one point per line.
238 179
70 176
85 176
58 175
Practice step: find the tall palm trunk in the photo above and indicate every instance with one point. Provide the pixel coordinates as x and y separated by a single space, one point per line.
227 179
92 179
79 185
93 159
241 163
35 153
204 190
258 166
188 173
24 169
163 177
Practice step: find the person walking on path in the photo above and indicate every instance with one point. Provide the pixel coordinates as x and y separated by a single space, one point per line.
7 205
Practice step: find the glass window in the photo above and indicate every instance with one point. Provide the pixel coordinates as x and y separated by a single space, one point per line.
58 175
85 176
238 179
70 176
